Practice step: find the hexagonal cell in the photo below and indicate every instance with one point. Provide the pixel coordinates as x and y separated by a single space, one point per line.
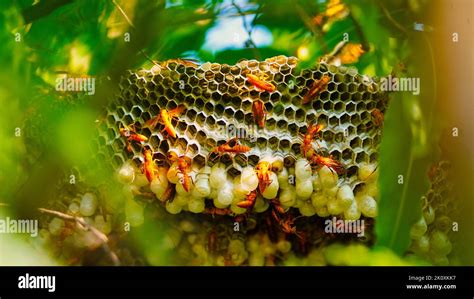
241 159
146 132
154 141
282 124
376 140
262 142
328 136
234 170
164 146
289 113
118 160
120 113
310 117
275 97
239 115
296 148
141 82
367 143
344 118
208 108
199 103
201 118
365 96
118 145
162 101
347 154
339 106
345 96
300 115
127 105
284 144
232 89
328 106
336 155
341 87
317 105
365 117
352 87
370 106
191 131
253 160
142 94
210 120
293 128
273 143
221 123
306 74
268 107
236 102
350 107
352 171
324 96
229 112
219 109
323 119
361 106
270 123
278 109
191 114
246 104
355 142
356 97
361 157
355 119
339 137
136 111
209 76
331 86
361 128
197 91
248 118
373 157
289 161
127 120
334 96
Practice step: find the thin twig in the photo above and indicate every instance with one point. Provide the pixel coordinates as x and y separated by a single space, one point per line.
391 19
123 13
360 32
318 34
42 9
87 227
249 30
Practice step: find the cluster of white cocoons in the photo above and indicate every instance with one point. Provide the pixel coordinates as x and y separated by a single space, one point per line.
431 243
331 196
319 192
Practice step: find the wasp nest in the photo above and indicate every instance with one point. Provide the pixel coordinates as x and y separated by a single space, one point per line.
431 234
218 101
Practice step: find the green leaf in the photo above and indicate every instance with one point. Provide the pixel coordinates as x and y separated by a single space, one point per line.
402 177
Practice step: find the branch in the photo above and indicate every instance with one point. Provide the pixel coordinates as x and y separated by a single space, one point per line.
87 227
249 29
123 13
391 19
318 34
360 32
42 9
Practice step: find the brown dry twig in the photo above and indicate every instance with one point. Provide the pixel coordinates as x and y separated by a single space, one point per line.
87 227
